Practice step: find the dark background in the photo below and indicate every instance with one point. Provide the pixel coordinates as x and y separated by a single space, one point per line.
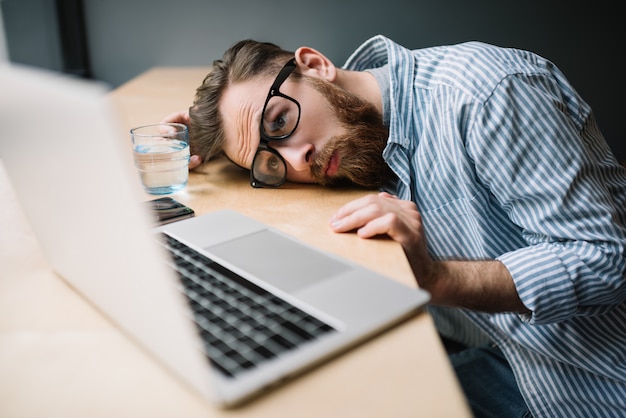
115 40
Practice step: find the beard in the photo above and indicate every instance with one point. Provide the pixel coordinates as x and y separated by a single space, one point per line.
360 149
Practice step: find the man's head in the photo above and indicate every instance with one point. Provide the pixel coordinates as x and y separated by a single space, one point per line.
339 137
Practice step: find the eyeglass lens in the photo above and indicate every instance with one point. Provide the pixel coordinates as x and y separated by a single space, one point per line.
268 167
280 117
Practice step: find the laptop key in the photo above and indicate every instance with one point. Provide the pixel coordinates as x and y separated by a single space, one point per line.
241 324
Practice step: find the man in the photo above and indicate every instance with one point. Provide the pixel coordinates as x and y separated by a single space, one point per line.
496 181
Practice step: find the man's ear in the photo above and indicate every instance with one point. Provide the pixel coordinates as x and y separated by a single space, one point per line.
315 64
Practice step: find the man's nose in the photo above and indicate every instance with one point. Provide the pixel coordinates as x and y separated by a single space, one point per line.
298 156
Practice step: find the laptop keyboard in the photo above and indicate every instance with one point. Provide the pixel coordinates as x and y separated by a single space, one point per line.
242 325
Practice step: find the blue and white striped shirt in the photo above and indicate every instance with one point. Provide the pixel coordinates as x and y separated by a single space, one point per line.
505 161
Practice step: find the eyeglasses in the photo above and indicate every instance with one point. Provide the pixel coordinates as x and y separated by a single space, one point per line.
279 120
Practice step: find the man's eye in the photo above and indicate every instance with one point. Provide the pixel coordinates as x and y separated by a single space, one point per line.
278 125
273 164
280 117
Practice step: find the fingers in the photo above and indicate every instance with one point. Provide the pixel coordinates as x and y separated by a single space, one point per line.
358 204
358 213
384 214
380 214
353 214
378 225
176 117
166 129
194 161
181 116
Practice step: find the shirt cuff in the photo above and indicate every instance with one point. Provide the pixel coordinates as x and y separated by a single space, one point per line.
543 283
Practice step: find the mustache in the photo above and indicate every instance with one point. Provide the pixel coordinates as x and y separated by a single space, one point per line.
361 161
322 159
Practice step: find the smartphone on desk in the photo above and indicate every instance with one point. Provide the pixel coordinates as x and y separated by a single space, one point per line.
167 210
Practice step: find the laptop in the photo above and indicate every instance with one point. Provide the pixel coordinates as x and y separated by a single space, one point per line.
71 167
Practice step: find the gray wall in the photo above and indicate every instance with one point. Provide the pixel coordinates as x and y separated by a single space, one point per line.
31 33
4 52
126 37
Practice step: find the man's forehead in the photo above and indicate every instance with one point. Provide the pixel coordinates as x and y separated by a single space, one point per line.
240 108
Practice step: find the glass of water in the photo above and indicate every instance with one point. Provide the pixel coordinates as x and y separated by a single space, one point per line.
161 154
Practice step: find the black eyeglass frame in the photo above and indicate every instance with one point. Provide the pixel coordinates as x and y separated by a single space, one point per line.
283 74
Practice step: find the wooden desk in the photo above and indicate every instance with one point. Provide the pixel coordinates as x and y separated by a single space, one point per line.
59 357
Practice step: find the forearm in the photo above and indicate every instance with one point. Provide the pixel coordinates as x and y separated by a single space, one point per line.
478 285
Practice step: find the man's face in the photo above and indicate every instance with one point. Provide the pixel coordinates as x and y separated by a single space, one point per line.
339 139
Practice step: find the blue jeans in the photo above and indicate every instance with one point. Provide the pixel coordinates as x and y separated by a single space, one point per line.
488 383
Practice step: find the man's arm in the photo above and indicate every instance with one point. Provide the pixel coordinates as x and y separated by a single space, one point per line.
479 285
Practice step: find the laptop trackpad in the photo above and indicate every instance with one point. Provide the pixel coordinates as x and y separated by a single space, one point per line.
284 263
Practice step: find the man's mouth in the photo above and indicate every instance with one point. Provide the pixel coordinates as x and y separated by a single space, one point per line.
333 164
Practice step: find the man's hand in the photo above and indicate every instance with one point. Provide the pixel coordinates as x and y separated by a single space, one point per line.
177 117
183 117
399 219
484 285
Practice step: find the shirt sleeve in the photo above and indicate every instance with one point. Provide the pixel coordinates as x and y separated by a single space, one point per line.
537 148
